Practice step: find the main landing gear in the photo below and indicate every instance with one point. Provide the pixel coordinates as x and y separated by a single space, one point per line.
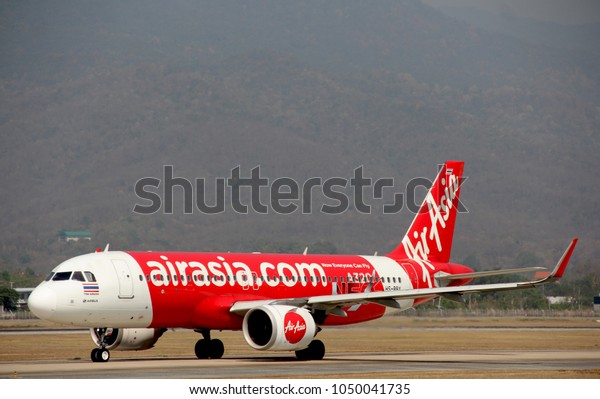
314 351
207 348
101 354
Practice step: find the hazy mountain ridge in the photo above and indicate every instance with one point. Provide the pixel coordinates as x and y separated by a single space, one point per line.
74 145
576 37
337 35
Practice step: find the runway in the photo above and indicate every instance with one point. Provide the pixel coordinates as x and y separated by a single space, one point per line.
367 365
389 348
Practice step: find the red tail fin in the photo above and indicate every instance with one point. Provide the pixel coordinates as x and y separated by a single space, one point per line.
430 234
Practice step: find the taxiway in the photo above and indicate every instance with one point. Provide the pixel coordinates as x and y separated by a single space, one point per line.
366 365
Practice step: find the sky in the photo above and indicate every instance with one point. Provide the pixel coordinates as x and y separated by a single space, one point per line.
566 12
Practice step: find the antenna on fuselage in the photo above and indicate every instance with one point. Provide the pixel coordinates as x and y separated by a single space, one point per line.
106 247
305 251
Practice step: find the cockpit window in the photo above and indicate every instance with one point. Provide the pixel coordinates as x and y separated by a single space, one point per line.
61 276
90 277
49 276
77 276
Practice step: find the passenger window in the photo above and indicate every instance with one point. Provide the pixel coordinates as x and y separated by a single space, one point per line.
77 276
61 276
90 277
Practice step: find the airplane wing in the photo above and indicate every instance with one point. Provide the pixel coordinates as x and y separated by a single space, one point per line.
334 303
446 277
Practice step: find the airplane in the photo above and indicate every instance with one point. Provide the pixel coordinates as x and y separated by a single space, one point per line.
279 301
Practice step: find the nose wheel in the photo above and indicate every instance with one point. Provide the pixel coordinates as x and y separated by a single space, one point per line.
101 354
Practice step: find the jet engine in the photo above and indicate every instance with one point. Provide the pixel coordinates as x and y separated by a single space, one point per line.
127 339
279 327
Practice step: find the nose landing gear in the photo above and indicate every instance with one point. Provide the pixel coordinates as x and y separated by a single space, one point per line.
101 354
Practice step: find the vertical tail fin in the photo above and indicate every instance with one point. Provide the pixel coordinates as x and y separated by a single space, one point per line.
430 234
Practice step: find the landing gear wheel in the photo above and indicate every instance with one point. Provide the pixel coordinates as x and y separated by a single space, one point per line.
216 349
209 349
314 351
101 355
202 349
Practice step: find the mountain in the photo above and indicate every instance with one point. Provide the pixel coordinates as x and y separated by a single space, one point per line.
98 95
551 34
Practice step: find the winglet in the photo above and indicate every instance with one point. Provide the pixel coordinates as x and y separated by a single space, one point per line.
561 266
562 263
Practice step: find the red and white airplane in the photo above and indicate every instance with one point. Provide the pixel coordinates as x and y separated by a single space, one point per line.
279 301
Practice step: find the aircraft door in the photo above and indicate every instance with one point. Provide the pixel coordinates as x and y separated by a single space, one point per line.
412 273
125 279
255 285
249 280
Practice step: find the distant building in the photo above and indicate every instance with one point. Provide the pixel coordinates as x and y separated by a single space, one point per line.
597 303
74 235
557 300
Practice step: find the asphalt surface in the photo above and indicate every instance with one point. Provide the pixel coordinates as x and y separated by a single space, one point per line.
367 365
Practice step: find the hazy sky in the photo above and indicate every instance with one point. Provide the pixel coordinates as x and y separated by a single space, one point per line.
562 11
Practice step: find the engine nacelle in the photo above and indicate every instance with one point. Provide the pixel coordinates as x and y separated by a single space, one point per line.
128 339
279 327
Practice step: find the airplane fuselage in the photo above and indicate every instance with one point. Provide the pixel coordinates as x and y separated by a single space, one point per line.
197 290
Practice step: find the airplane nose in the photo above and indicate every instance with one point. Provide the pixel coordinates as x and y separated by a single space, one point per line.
42 302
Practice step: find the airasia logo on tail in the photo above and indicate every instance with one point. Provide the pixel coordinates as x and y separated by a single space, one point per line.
294 327
433 228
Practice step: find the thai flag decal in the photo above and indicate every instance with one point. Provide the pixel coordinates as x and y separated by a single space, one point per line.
91 288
